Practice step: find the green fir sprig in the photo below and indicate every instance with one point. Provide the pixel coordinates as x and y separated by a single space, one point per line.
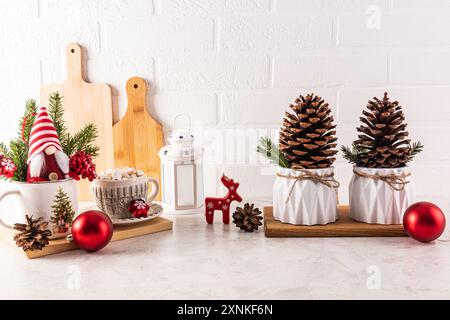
270 151
56 113
353 154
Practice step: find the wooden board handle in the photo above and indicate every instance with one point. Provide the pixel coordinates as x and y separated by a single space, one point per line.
73 62
137 92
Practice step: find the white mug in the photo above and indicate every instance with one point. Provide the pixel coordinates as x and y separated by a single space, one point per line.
38 198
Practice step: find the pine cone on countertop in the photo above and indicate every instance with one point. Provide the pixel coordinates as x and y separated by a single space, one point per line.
247 218
307 138
33 235
382 140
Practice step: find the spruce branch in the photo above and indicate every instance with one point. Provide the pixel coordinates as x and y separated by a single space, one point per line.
26 122
80 141
56 113
270 151
415 149
353 154
19 155
4 149
83 141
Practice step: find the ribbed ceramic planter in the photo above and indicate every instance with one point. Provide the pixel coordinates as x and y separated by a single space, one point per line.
304 202
375 201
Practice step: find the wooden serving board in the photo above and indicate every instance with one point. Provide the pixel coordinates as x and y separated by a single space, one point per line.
120 233
85 103
138 137
344 227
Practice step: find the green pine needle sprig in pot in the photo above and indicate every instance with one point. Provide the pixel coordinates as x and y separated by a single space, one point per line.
270 151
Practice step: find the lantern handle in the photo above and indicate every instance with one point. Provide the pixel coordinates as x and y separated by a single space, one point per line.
178 117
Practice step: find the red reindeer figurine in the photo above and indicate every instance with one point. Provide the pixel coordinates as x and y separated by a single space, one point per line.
223 204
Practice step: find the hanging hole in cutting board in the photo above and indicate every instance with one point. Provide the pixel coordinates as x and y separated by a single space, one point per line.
72 50
136 86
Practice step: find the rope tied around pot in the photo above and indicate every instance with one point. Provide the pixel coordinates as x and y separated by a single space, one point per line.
396 181
326 179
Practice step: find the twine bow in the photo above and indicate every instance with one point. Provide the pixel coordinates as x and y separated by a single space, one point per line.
395 181
327 180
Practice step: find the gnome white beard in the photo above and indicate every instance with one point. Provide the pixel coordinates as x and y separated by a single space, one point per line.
63 161
37 163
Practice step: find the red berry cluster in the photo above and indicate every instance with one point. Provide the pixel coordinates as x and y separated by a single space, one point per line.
81 166
7 167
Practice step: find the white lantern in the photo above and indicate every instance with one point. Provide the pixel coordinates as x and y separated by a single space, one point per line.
182 170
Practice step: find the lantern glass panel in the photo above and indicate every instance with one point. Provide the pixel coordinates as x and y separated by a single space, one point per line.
185 185
167 183
200 196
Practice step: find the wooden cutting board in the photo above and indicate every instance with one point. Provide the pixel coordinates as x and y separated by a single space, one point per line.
85 103
138 137
121 232
344 227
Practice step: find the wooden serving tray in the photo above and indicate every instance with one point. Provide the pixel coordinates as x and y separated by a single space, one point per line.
344 227
121 232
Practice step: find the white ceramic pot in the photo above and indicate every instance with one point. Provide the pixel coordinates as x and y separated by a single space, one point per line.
304 202
375 201
37 200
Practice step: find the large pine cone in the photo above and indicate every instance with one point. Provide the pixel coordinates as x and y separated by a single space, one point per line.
33 235
382 135
307 138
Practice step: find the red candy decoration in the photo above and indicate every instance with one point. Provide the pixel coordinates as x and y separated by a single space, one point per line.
92 230
222 204
81 166
424 221
7 167
139 208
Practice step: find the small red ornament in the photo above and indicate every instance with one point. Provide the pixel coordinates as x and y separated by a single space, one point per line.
92 230
424 221
139 208
7 167
222 204
81 166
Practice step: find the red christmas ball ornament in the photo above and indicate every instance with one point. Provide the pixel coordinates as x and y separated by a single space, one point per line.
424 221
92 230
139 208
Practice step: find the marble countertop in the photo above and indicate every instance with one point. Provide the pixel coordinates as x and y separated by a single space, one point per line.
200 261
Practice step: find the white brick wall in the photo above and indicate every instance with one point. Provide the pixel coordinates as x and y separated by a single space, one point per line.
330 70
237 64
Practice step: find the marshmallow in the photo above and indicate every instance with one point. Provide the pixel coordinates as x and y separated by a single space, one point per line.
120 174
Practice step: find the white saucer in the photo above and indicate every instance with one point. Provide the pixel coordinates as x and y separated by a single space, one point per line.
155 211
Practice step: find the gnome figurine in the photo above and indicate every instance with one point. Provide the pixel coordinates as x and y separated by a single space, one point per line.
46 160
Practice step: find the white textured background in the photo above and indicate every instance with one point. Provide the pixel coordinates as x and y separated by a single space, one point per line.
239 63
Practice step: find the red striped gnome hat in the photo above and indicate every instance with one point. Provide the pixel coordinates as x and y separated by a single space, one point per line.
43 134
